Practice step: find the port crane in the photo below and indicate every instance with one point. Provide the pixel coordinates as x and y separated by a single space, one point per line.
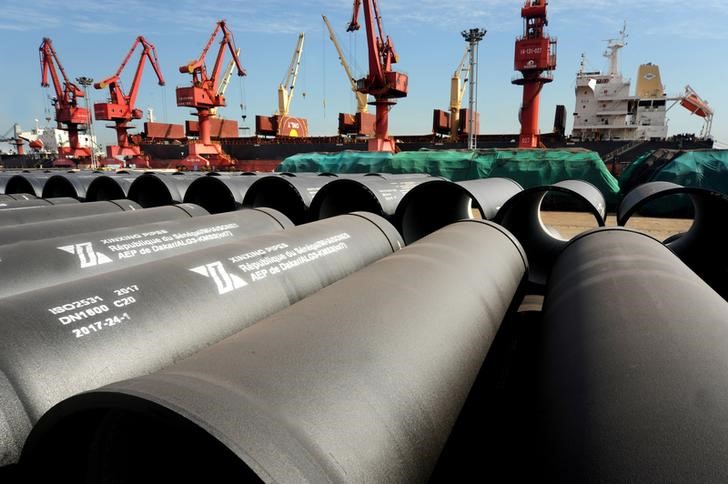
13 137
382 82
535 58
361 123
458 82
68 112
121 107
204 95
227 76
281 123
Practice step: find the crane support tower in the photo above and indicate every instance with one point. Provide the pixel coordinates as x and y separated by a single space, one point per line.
361 123
69 115
204 95
382 83
121 107
535 59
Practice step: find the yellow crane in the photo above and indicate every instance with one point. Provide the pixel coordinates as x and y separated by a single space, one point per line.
285 89
457 90
225 81
361 98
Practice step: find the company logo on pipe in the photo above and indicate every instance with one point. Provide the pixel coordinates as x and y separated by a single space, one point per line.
86 254
224 281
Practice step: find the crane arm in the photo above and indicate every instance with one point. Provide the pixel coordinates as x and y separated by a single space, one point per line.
285 89
361 98
227 76
229 41
66 92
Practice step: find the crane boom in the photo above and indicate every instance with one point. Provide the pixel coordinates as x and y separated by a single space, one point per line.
382 82
66 101
361 98
285 89
457 91
121 107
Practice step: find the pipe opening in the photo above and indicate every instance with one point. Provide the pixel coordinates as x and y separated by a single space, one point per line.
130 446
19 184
278 193
665 218
211 194
150 191
432 206
344 196
104 188
59 186
564 215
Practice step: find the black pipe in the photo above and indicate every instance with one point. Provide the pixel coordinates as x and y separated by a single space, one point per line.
435 203
68 185
632 366
18 196
35 202
37 264
27 183
19 216
93 223
521 215
77 336
703 246
367 193
361 382
156 190
291 195
109 187
219 193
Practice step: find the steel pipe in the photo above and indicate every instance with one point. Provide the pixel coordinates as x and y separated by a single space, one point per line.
18 196
156 190
367 193
703 246
27 183
521 215
109 187
37 264
436 203
65 339
361 382
10 203
632 366
68 185
93 223
19 216
291 195
219 193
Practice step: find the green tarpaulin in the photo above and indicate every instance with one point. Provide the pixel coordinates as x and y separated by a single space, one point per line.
528 167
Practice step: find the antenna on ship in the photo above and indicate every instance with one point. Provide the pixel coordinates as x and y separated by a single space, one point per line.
582 63
612 52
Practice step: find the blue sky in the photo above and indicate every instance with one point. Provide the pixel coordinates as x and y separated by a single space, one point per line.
91 38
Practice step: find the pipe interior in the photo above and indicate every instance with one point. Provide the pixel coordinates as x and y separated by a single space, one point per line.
59 186
104 188
211 194
345 196
19 184
150 191
276 192
432 206
675 206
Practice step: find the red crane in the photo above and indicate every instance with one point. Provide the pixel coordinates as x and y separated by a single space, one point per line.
205 96
121 108
68 112
382 82
535 58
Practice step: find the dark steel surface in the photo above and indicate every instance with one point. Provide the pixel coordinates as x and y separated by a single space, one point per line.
704 246
26 183
290 195
33 214
521 215
360 382
143 318
375 194
436 203
34 202
110 187
155 190
632 366
68 185
43 263
219 193
18 196
93 223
